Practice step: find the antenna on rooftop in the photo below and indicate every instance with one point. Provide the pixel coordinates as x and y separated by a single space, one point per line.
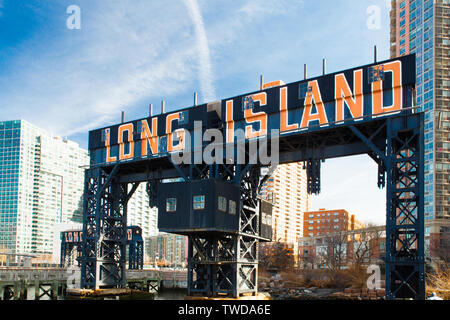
375 54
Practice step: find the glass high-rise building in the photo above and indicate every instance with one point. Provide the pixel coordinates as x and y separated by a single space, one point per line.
41 184
41 189
423 27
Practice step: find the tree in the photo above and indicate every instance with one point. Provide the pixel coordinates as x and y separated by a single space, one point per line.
333 253
366 246
277 255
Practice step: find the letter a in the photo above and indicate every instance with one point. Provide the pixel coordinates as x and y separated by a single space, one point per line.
74 20
313 96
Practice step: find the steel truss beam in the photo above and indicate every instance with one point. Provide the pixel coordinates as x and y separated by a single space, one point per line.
66 253
135 255
313 176
405 273
222 265
104 229
400 166
227 264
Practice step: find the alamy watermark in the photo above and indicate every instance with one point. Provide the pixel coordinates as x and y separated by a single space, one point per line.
73 277
73 21
374 281
373 11
209 148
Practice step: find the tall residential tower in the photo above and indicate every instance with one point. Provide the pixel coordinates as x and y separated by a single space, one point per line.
423 27
41 190
287 189
41 184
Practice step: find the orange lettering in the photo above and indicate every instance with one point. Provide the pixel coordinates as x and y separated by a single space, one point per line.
284 126
148 136
377 89
108 147
128 128
343 94
260 117
178 132
313 95
230 122
272 84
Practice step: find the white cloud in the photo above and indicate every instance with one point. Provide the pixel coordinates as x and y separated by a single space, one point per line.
254 8
126 54
206 78
81 79
121 55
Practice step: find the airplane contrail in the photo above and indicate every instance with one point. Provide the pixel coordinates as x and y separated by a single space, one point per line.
205 69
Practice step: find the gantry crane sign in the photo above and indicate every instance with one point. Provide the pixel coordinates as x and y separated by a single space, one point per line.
72 239
203 168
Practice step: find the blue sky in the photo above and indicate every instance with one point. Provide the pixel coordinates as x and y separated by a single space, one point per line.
129 53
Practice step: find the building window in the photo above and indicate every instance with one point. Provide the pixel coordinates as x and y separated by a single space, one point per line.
222 204
199 202
171 204
232 207
266 219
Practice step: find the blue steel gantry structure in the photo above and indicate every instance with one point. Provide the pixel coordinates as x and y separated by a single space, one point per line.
365 110
72 239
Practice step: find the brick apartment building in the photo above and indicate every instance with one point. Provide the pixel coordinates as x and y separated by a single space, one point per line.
324 221
167 249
